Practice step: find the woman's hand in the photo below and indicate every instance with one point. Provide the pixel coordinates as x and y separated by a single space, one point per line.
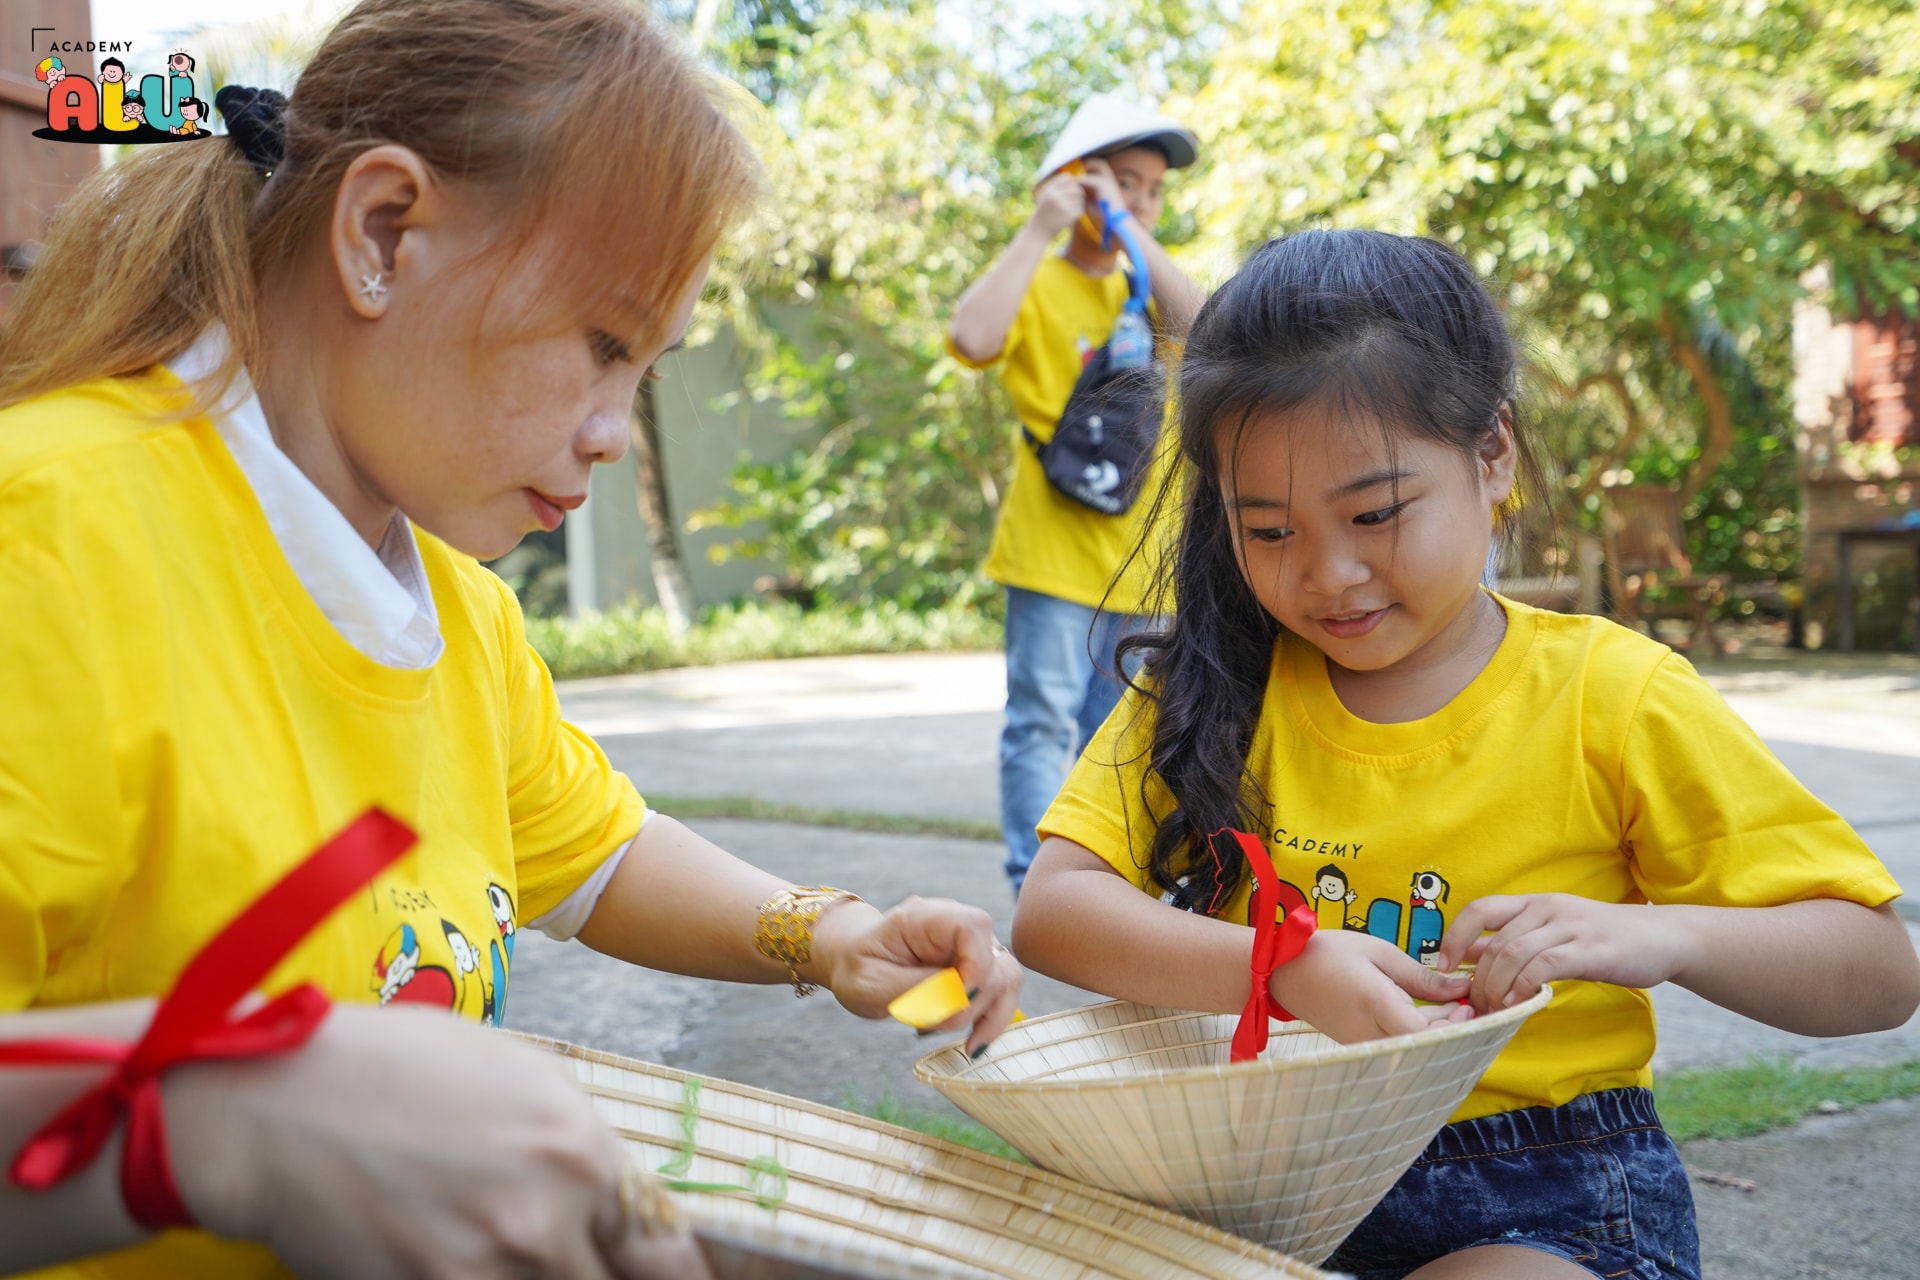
867 959
403 1143
1520 942
1354 986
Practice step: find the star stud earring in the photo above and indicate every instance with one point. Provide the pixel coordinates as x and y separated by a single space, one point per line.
371 289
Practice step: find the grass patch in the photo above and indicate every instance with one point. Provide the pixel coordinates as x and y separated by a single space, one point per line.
936 1124
640 639
1770 1093
758 810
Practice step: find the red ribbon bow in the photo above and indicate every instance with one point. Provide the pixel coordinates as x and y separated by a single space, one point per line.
1273 945
195 1023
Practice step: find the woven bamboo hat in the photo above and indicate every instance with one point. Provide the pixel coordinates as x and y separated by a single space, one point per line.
871 1200
1291 1149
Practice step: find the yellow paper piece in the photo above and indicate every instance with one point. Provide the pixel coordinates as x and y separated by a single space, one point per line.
932 1001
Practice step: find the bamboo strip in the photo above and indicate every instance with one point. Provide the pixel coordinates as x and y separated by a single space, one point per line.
893 1200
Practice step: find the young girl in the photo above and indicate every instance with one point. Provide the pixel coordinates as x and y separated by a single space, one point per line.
322 364
1552 798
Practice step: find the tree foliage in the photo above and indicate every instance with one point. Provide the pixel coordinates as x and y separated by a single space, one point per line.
906 135
1647 182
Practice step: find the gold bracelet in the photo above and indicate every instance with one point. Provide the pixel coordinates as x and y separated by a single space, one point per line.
785 931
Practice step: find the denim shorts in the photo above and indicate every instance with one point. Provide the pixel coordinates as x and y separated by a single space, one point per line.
1596 1181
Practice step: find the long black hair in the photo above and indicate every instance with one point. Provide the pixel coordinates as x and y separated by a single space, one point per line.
1395 331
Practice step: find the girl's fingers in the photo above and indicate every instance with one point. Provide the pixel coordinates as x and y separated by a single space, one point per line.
1554 962
1475 919
1494 979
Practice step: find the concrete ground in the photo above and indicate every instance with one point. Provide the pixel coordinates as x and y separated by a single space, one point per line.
916 735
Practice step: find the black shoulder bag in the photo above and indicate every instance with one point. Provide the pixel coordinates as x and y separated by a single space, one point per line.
1107 434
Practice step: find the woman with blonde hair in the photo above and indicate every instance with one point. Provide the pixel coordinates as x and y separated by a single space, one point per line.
262 402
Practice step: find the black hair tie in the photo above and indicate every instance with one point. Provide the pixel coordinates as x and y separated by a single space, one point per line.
257 123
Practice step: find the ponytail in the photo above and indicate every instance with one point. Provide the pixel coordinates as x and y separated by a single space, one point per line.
136 263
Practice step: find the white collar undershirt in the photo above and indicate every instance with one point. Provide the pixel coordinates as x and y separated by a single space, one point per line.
379 602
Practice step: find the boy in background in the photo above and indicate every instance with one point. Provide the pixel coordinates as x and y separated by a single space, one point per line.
1037 316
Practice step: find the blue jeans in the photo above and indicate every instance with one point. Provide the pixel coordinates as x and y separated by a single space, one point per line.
1060 690
1596 1182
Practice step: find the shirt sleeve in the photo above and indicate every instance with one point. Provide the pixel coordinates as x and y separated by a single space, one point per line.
1713 818
63 832
570 808
1023 321
1103 807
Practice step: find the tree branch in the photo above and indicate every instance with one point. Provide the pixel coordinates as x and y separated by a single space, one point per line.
1718 442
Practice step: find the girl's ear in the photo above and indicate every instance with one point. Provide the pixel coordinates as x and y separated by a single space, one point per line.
1499 457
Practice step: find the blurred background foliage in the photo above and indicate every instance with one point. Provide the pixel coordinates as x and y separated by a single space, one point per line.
1645 183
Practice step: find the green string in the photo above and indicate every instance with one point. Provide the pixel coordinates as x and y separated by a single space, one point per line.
767 1179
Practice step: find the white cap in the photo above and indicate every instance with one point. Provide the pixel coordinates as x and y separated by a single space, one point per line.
1107 122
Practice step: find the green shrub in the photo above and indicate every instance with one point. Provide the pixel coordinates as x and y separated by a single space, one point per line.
640 639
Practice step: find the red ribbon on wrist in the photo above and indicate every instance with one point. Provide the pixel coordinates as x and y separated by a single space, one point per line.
1274 944
195 1022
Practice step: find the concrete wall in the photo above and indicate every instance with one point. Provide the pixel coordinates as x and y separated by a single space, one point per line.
702 444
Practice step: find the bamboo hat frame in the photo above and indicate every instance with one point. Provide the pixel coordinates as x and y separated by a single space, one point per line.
867 1199
1292 1149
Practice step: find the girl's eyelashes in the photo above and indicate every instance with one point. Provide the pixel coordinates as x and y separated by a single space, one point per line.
1266 535
608 349
1381 516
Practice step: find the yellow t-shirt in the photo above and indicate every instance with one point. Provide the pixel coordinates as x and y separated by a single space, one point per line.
183 725
1045 541
1585 759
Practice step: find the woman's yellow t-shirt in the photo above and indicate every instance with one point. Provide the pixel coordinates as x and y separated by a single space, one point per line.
183 726
1045 541
1585 759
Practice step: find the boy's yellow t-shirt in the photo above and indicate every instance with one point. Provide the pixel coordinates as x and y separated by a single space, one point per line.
183 726
1045 541
1586 759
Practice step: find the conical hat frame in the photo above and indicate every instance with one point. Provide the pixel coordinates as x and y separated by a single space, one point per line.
1106 123
874 1199
1291 1149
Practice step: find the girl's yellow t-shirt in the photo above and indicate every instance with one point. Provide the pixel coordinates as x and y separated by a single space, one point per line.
1585 759
183 725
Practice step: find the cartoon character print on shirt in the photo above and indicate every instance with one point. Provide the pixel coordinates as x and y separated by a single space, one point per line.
1425 924
1412 917
500 949
1417 927
400 977
476 998
1331 896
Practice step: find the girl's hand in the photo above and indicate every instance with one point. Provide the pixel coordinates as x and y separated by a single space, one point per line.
867 959
403 1143
1058 203
1519 943
1354 986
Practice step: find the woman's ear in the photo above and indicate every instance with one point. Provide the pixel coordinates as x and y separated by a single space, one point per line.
387 197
